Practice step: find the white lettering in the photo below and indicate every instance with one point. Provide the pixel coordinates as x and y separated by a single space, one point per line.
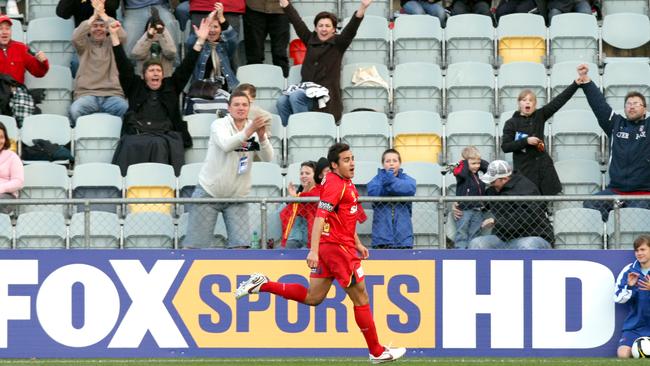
15 272
147 311
101 304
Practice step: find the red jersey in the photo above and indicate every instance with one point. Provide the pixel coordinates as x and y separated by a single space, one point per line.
339 207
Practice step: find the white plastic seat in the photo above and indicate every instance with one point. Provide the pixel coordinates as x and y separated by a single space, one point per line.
417 86
278 138
563 74
364 96
54 128
187 181
625 6
266 180
40 9
470 86
6 232
309 135
17 32
367 133
417 38
45 181
470 128
381 8
579 176
425 228
153 230
268 80
294 77
621 77
371 43
578 228
633 222
104 231
96 137
517 76
52 35
97 180
469 37
313 7
58 89
364 171
428 180
625 32
576 135
198 125
574 37
40 230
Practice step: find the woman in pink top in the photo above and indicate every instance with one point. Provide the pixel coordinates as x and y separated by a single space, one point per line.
11 171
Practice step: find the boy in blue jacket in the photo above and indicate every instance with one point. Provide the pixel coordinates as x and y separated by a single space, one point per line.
470 222
391 223
633 288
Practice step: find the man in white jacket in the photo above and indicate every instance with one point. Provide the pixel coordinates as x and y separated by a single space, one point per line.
226 173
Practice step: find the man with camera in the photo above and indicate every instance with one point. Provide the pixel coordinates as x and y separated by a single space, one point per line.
157 43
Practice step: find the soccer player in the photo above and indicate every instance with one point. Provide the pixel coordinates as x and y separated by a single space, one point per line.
334 254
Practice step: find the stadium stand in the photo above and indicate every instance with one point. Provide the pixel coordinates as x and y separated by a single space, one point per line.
517 76
470 86
367 133
45 181
198 125
97 180
96 137
40 230
417 86
269 81
52 127
564 73
578 228
366 95
150 180
309 135
633 222
58 87
576 135
372 42
573 37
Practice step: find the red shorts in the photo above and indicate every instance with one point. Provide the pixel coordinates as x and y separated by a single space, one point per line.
339 262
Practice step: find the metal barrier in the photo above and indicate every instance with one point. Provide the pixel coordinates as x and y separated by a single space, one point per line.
162 223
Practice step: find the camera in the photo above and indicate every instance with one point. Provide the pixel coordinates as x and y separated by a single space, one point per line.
448 168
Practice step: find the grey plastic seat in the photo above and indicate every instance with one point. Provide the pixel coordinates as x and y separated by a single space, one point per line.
269 81
469 37
367 133
58 89
425 228
417 38
633 222
198 125
104 233
96 137
55 128
381 8
579 176
266 180
563 74
40 9
470 86
428 180
153 230
621 77
418 136
517 76
277 137
364 96
574 37
97 180
40 230
45 181
624 31
188 179
6 232
52 35
417 86
364 171
309 135
625 6
578 228
313 7
294 77
17 32
470 128
576 135
371 44
150 180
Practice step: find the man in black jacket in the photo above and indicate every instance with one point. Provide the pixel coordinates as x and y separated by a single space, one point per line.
517 224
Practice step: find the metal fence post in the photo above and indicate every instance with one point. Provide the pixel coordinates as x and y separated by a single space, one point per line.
87 224
442 233
617 223
263 223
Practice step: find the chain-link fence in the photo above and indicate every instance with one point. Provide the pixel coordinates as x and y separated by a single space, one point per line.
436 222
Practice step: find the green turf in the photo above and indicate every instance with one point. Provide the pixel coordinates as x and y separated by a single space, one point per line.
412 361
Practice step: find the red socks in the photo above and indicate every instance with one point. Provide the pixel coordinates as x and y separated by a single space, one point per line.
364 320
290 291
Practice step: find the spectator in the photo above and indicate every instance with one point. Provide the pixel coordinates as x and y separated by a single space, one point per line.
556 7
298 218
480 7
629 167
97 84
523 136
517 224
391 224
322 168
633 288
152 128
322 64
255 111
232 11
156 42
472 214
421 7
226 173
262 18
506 7
136 14
11 171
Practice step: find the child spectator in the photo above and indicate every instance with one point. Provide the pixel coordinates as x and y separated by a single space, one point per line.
391 224
469 224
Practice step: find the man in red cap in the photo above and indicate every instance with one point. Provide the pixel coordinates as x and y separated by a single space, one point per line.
15 56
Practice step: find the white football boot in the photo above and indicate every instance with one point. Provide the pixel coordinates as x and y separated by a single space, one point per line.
389 355
251 285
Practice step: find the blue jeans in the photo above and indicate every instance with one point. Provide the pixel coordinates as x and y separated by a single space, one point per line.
203 219
605 206
182 14
89 104
425 7
296 102
135 21
580 7
493 242
468 227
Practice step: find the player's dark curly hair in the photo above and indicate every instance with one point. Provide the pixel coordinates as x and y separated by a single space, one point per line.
334 152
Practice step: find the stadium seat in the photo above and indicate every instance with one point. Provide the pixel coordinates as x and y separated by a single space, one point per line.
417 86
624 6
40 9
578 228
364 171
17 32
470 128
313 7
522 37
367 133
104 231
625 35
579 176
633 222
470 86
309 135
45 181
96 137
576 135
220 235
364 229
371 44
150 180
517 76
425 228
277 137
154 230
198 126
417 135
294 77
364 96
12 131
269 81
266 180
54 128
417 38
40 230
380 8
621 77
573 37
563 74
187 181
58 89
6 232
469 37
428 180
52 35
97 180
